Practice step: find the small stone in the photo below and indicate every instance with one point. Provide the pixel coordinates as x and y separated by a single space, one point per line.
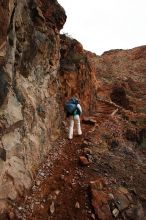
20 208
66 172
93 216
57 192
77 205
85 143
52 208
84 161
123 190
87 151
42 174
111 196
62 177
38 183
115 212
122 202
89 157
42 206
133 191
32 206
54 197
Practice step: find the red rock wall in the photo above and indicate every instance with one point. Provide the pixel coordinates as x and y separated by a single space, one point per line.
117 75
29 110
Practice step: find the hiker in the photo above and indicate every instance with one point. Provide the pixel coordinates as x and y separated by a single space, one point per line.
73 111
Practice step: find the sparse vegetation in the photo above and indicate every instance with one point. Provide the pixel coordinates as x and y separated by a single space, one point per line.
143 144
67 35
77 57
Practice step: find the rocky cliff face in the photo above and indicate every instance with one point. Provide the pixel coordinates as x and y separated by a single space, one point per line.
29 110
39 70
117 75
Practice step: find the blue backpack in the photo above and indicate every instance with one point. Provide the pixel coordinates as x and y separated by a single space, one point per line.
70 106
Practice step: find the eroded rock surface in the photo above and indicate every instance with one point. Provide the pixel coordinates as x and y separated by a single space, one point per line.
29 110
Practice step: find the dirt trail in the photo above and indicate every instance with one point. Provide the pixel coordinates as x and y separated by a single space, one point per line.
61 189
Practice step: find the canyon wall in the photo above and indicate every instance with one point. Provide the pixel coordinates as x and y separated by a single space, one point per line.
29 110
116 76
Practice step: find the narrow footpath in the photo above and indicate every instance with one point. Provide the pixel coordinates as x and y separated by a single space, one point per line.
98 175
61 188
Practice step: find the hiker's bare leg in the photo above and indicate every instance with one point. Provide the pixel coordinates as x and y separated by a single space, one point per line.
78 125
71 127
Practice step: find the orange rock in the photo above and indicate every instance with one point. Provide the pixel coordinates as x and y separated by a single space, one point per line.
100 204
84 160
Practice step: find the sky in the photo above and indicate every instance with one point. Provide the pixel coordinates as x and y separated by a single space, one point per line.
102 25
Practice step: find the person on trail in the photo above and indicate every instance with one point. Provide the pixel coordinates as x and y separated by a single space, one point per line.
73 111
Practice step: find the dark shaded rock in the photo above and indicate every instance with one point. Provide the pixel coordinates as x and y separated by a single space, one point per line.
3 154
133 135
135 212
114 144
88 120
4 21
3 86
41 111
4 216
54 14
88 151
121 201
118 96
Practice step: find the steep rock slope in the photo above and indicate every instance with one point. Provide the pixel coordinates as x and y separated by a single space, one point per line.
29 119
117 75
